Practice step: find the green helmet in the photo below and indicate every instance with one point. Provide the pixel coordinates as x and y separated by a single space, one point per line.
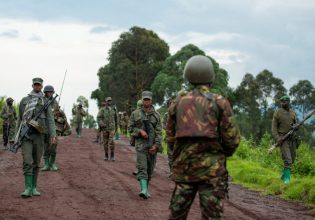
49 88
199 70
139 103
285 98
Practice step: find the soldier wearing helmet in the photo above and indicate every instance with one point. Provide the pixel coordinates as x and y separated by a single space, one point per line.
62 129
8 115
201 132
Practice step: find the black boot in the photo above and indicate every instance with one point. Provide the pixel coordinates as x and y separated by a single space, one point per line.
106 156
112 156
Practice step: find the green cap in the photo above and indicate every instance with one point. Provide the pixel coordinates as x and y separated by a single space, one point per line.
37 80
285 98
146 95
108 99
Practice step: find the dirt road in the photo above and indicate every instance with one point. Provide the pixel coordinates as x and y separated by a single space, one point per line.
87 187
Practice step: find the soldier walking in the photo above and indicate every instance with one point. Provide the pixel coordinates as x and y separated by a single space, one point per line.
8 114
107 121
32 147
145 126
169 150
62 129
282 122
201 132
79 113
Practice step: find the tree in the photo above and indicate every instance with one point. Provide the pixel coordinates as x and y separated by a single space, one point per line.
170 79
134 61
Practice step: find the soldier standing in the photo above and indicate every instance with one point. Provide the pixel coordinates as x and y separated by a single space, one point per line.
145 127
32 148
79 114
282 121
107 121
125 121
8 114
202 133
62 129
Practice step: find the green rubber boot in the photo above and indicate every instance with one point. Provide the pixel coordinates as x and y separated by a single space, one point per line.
148 190
144 189
28 186
52 163
46 165
34 185
286 175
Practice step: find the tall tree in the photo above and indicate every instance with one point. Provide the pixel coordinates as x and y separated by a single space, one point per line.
170 79
134 61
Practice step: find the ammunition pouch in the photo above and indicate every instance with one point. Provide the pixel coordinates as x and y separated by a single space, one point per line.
37 126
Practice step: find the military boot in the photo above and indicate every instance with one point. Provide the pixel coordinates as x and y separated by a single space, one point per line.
28 186
52 163
286 175
144 188
34 185
149 195
46 165
106 156
112 156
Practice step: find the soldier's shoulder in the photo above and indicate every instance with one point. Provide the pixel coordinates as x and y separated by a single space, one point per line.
24 100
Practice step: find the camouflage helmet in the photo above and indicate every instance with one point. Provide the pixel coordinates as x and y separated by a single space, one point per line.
49 88
9 100
199 70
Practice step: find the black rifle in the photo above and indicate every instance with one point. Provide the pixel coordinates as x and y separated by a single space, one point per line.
25 128
294 128
147 128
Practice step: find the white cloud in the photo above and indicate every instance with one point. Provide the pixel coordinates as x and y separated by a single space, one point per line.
59 46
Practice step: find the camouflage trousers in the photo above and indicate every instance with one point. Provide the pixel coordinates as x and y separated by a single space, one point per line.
145 164
8 133
32 151
79 127
288 152
108 138
210 197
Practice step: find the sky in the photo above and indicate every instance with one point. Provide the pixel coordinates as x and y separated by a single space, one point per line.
45 38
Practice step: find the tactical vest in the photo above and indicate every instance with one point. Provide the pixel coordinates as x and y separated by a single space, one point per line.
197 115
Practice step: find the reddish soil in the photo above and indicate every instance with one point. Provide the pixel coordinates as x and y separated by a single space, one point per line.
87 187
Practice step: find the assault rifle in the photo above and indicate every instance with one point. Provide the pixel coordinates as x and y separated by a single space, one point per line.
25 127
147 128
294 128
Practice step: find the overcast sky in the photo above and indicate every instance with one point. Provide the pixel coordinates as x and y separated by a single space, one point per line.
45 37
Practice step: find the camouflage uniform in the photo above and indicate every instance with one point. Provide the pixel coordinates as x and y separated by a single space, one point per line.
79 114
8 114
145 160
107 120
124 123
282 121
32 148
202 133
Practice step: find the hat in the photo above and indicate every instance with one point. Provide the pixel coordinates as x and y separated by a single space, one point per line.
37 80
285 98
108 99
146 95
139 103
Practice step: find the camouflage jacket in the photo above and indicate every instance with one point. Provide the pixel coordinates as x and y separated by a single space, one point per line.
79 114
107 118
201 131
8 114
124 120
136 123
46 119
282 121
62 125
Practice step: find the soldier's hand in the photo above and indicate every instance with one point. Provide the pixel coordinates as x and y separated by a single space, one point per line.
144 134
153 149
53 140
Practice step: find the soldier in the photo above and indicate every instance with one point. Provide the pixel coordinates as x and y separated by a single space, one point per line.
107 120
8 114
32 148
145 127
132 139
79 114
201 132
124 123
62 129
169 151
282 121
